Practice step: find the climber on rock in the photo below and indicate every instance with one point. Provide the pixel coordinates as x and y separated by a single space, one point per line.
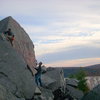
38 74
9 35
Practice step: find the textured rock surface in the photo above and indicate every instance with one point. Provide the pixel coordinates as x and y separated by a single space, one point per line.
75 93
93 94
45 94
37 91
22 42
46 80
72 82
14 75
7 95
55 78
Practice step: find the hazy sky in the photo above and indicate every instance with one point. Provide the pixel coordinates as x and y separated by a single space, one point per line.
64 32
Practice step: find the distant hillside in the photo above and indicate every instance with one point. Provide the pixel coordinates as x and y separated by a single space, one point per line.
97 66
93 70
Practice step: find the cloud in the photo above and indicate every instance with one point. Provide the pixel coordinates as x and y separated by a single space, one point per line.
53 43
34 30
48 8
75 63
72 53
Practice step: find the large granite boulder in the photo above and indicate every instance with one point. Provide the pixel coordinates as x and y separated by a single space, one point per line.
54 78
46 80
22 42
14 75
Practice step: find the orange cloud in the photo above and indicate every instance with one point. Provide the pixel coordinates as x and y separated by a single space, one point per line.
75 63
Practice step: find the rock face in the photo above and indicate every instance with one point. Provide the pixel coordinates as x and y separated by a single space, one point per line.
54 78
7 95
22 42
46 94
74 92
14 75
15 78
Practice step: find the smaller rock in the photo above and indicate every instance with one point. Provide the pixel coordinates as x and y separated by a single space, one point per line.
46 94
37 91
58 94
75 93
72 82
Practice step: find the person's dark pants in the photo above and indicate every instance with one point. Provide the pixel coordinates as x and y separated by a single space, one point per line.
38 79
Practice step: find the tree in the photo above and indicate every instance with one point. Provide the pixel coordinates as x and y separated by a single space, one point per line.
81 77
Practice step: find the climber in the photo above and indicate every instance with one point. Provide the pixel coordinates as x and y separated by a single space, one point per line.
10 36
38 74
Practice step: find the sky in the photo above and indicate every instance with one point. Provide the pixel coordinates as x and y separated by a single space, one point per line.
66 33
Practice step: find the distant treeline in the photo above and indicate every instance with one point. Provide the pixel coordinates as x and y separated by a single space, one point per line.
93 70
